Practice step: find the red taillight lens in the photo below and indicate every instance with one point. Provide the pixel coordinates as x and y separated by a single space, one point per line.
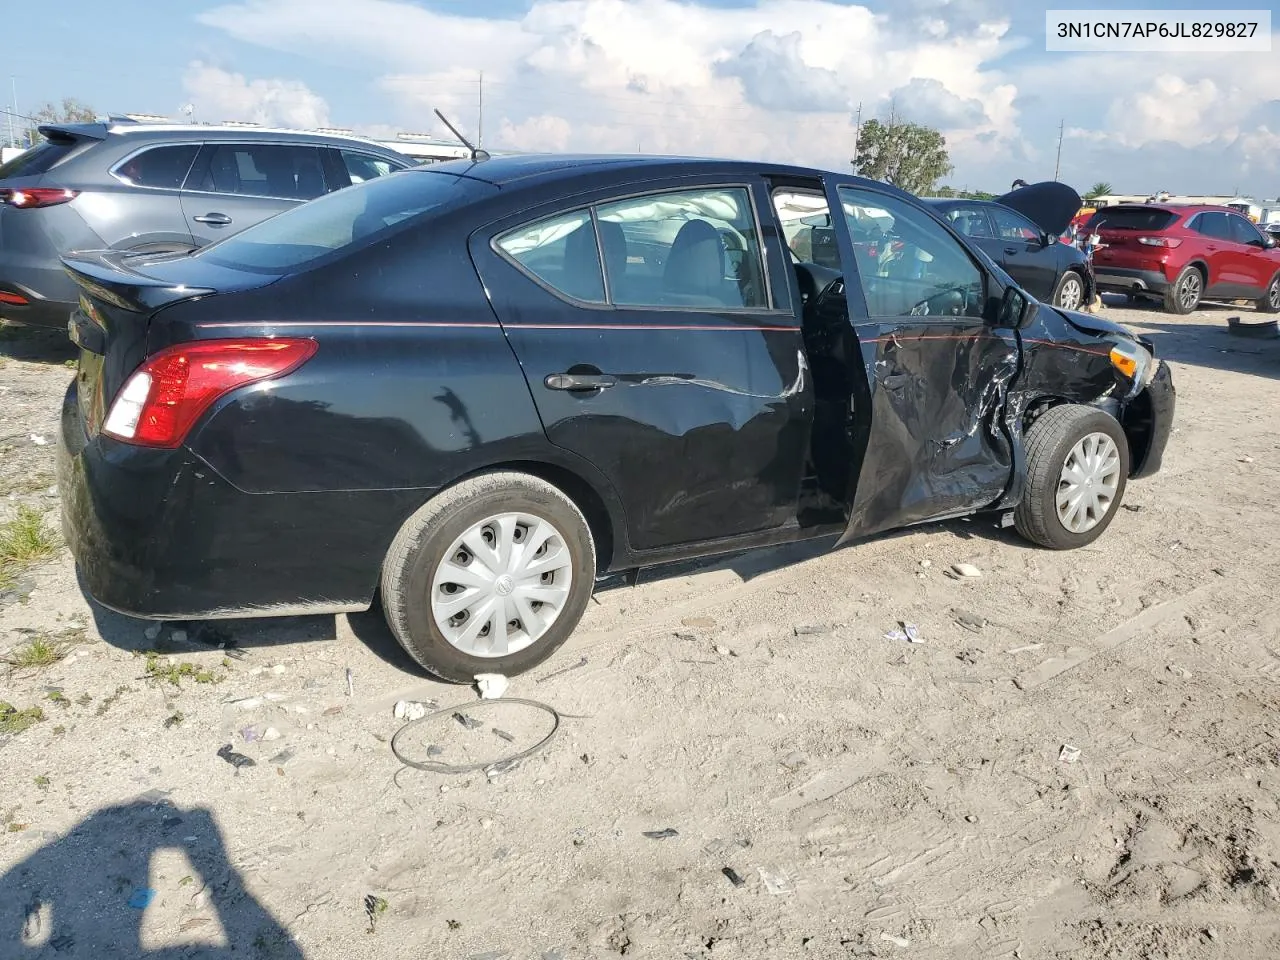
17 299
1169 242
161 401
25 198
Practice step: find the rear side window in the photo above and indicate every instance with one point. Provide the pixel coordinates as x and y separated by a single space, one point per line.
311 231
696 248
561 252
970 221
1214 225
1132 218
283 171
361 166
39 159
164 167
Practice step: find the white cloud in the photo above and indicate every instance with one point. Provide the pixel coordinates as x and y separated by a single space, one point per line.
217 94
778 80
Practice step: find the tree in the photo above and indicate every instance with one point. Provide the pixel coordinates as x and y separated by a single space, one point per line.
907 155
71 111
952 192
1099 189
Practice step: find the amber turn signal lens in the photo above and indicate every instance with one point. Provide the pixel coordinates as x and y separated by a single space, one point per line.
1124 363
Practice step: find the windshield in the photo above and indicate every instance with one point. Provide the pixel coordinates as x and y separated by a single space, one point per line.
304 234
39 159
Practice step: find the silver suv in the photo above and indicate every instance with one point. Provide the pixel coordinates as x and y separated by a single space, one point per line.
154 188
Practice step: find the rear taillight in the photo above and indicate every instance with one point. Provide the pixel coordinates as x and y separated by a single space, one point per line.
166 395
16 299
1169 242
26 198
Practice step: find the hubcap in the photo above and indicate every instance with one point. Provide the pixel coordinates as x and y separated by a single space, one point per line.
1190 294
1088 484
1071 295
501 585
1273 295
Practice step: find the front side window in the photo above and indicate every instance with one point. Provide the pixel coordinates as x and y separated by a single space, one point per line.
561 252
693 248
278 170
917 268
161 167
1242 231
1014 226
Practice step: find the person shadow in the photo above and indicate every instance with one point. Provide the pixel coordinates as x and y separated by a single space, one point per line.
86 894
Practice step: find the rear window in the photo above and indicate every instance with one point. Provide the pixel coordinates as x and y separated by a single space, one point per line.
300 236
39 159
1132 218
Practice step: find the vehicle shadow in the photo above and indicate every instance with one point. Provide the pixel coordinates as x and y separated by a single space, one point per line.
236 638
36 344
86 893
1208 343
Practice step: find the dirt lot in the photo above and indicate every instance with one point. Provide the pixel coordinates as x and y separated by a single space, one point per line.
872 797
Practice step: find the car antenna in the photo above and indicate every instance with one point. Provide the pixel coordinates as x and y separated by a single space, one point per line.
476 153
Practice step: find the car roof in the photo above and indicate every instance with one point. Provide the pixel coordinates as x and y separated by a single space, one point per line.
546 168
142 131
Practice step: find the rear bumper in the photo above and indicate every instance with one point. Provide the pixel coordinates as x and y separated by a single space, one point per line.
1129 279
1159 402
159 534
39 310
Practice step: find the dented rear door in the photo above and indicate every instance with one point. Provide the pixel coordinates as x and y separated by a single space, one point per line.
938 372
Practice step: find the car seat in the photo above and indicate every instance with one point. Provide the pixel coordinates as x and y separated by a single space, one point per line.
694 273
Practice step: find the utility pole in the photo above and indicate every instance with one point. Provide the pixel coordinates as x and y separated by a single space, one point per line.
13 142
480 119
1058 164
857 132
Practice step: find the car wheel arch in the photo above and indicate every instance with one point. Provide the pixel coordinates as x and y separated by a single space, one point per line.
1134 418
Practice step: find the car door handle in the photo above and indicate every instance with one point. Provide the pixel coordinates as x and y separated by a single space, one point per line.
217 219
579 381
896 381
1011 250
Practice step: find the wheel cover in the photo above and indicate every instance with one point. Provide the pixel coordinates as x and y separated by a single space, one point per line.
1088 483
1071 294
502 584
1273 294
1189 292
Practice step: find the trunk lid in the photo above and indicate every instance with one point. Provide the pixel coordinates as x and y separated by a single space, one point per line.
121 295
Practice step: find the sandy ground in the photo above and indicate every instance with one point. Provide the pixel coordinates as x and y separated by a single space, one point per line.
872 798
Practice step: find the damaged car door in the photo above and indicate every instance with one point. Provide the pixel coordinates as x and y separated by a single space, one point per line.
937 367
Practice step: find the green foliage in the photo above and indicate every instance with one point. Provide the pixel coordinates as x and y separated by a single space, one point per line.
907 155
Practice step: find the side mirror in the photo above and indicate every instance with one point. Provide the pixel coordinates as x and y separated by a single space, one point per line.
1017 310
1046 240
1269 241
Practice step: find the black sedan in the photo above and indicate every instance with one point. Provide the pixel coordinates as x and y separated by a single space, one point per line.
474 388
1020 232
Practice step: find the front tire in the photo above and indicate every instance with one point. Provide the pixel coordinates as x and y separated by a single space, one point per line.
490 576
1185 293
1269 302
1070 292
1077 468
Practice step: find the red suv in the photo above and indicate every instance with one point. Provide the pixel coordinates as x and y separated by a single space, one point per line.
1185 254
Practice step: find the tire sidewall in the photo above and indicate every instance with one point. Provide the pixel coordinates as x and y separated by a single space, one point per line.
1069 277
1264 302
1095 422
1175 293
430 648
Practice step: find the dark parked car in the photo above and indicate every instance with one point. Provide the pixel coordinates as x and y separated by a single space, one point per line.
477 387
1020 231
1181 255
153 187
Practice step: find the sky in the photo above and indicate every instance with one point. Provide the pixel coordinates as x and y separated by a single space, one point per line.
778 80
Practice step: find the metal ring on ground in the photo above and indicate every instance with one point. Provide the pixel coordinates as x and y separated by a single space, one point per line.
432 767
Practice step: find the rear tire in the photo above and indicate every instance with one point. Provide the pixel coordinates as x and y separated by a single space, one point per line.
1070 292
1269 302
1056 470
436 588
1185 293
